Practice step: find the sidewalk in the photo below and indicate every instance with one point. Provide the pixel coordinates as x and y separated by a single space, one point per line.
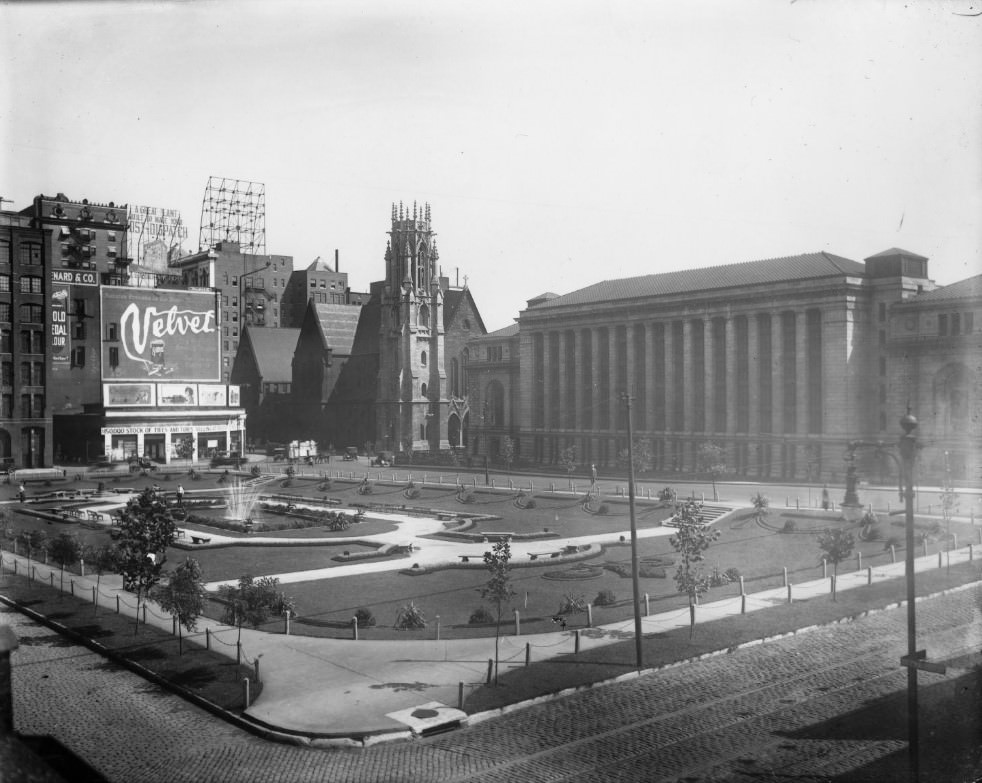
362 691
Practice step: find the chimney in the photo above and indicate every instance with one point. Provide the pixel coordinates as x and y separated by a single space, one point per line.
336 263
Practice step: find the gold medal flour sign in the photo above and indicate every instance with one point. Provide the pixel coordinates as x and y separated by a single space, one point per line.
159 334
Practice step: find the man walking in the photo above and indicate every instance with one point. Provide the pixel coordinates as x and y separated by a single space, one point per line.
180 495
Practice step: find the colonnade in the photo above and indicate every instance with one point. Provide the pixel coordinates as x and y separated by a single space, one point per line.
752 382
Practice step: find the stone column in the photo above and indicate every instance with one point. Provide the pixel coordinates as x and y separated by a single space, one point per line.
613 393
731 369
564 391
596 380
688 374
753 391
629 374
801 386
708 352
777 374
671 425
649 381
576 395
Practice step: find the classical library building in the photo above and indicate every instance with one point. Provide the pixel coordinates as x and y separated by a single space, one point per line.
781 362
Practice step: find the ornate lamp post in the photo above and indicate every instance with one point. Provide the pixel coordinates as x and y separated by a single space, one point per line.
914 659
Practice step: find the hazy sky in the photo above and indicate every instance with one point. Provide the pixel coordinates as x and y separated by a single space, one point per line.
558 143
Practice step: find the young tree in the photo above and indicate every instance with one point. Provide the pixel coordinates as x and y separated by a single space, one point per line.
761 504
183 597
34 540
103 560
498 590
508 450
185 448
692 539
146 530
711 459
252 601
837 545
643 451
65 549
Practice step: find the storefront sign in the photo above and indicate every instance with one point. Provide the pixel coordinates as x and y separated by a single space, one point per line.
165 429
74 277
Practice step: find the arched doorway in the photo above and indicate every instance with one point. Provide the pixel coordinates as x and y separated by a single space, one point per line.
453 431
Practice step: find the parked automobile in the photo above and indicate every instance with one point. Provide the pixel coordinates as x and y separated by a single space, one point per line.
221 458
142 463
384 459
350 453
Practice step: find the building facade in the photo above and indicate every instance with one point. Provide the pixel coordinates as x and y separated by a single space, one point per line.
778 361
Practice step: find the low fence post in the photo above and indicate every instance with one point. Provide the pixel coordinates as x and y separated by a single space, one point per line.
785 576
869 575
742 591
940 559
743 603
144 612
789 593
71 586
286 622
460 696
490 670
438 627
518 623
647 605
589 615
528 653
354 628
825 568
245 691
238 653
576 640
207 638
95 601
893 553
859 561
117 604
971 552
81 567
256 666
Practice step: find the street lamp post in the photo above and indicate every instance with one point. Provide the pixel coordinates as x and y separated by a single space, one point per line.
634 534
914 659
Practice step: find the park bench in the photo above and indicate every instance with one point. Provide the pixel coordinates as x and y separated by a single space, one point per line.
465 558
199 539
94 516
536 555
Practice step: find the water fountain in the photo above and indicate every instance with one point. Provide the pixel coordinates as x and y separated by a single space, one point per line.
242 498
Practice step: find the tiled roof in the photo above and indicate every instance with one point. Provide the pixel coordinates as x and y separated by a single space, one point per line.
273 348
500 334
970 288
897 251
338 325
749 273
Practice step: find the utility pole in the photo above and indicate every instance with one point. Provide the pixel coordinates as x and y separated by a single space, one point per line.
634 533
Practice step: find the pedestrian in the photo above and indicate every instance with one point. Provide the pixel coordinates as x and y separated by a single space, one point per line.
593 473
180 496
825 497
21 494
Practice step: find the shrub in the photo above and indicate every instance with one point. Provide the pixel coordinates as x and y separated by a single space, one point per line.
410 616
286 482
481 616
790 526
530 503
572 603
605 598
364 617
666 494
733 574
603 508
255 471
893 541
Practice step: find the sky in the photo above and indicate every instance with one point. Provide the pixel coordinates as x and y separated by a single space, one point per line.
558 143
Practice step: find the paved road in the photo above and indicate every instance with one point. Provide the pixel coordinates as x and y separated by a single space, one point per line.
828 702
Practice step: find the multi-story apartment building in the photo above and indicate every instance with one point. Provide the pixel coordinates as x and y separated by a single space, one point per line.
250 289
29 338
318 283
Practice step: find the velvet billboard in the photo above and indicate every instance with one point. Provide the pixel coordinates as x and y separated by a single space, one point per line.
159 334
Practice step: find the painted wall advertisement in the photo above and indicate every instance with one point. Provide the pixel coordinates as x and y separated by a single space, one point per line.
161 335
61 348
128 394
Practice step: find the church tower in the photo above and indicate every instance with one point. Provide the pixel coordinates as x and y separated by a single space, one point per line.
412 402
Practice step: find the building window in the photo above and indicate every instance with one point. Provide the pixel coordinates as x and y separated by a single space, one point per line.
25 406
25 373
969 323
114 357
112 332
422 358
30 341
883 311
6 341
324 284
313 284
4 252
956 323
225 343
30 253
78 330
7 406
78 357
30 284
111 236
5 283
31 313
7 373
942 325
225 300
111 251
235 281
883 365
5 311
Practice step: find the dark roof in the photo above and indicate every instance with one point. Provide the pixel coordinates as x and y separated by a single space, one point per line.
749 273
500 334
970 288
338 324
897 251
273 349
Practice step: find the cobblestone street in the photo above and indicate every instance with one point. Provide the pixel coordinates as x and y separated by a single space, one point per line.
825 704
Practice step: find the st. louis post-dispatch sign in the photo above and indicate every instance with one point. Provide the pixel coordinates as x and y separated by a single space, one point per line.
160 334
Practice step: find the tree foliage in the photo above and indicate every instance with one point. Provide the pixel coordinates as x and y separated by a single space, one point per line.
65 549
185 448
643 452
146 530
711 459
183 597
410 616
498 590
567 458
253 600
508 451
837 544
691 540
761 505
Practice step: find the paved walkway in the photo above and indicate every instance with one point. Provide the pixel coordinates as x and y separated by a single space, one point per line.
332 688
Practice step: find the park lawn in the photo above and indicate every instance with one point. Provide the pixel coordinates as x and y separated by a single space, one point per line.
221 563
211 676
519 683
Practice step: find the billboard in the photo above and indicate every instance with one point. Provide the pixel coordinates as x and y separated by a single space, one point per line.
159 334
128 394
